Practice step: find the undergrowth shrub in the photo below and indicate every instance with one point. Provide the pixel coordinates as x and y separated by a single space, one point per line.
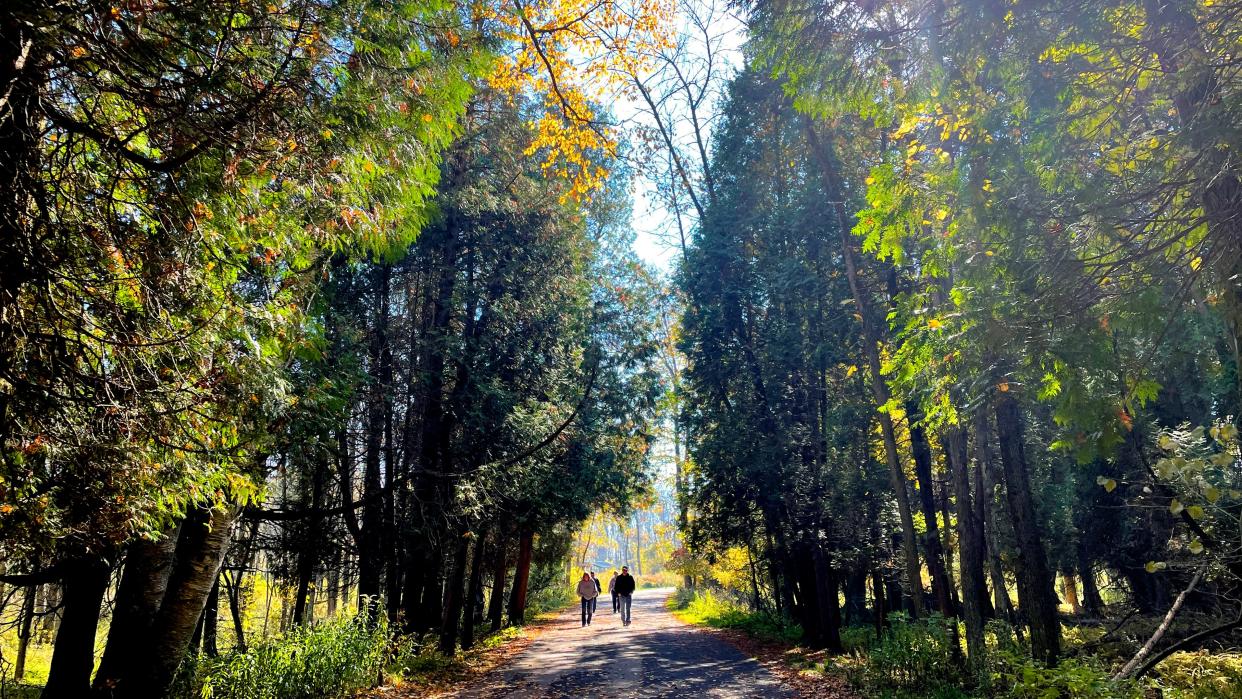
912 657
718 609
857 639
1201 675
331 659
1025 678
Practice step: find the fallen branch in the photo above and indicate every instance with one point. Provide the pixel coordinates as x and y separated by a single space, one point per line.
1143 652
1189 642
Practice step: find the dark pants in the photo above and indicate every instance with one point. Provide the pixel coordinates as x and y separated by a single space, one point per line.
594 604
588 610
616 603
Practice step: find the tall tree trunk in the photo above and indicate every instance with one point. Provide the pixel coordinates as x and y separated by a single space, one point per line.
371 547
987 470
308 556
1069 588
1094 604
500 566
521 576
1035 580
24 627
138 597
879 604
211 621
921 450
453 601
826 586
203 540
970 548
73 658
232 587
474 588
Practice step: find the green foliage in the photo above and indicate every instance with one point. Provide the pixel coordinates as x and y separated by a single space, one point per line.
715 609
1201 675
1083 679
912 656
332 659
857 639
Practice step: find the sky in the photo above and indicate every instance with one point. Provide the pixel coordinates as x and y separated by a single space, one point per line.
651 221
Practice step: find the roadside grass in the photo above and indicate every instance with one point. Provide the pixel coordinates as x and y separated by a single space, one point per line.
708 608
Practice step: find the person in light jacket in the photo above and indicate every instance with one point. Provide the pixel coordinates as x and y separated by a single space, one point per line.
587 592
612 590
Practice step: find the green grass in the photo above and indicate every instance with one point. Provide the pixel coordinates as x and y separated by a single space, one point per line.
707 608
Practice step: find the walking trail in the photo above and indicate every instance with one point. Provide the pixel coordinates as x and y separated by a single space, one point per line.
655 656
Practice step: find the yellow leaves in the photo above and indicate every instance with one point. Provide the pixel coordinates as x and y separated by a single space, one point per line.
941 214
1195 512
987 186
851 370
200 211
1196 547
1176 507
1003 387
869 181
1154 566
77 52
573 52
327 134
1196 263
1109 484
427 118
934 323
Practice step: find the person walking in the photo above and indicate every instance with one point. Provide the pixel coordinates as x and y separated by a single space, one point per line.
598 589
625 590
587 591
612 590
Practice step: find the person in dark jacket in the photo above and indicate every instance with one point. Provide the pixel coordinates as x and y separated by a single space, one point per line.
598 589
625 591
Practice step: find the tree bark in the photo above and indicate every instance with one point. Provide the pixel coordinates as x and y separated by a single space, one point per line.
1094 604
500 566
24 627
211 621
453 602
200 550
921 450
73 658
1035 580
970 548
474 588
521 577
138 597
827 583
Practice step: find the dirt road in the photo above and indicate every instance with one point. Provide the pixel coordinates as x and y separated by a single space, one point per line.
656 656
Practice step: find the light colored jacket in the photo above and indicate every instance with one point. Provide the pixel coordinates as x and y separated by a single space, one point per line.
612 585
586 589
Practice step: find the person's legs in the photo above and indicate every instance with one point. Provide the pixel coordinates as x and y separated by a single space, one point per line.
626 601
616 604
590 610
586 606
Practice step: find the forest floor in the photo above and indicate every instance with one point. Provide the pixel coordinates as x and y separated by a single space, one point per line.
658 655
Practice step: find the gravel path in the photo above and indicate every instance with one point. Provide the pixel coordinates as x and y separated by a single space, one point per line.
656 656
